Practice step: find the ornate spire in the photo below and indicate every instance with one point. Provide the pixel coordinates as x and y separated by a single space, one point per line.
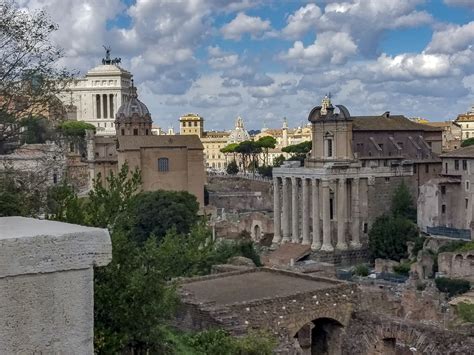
325 104
285 123
133 91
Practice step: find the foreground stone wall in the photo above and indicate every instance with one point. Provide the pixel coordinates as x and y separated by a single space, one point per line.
456 264
46 285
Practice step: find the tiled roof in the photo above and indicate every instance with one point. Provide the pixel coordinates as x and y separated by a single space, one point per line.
465 117
137 142
465 152
391 123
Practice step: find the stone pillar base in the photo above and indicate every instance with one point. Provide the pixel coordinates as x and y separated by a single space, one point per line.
355 245
315 246
341 246
327 247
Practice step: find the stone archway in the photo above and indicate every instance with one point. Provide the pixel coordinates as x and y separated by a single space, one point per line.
322 336
256 231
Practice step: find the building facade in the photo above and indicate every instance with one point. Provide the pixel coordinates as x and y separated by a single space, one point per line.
349 177
452 134
445 203
466 121
166 162
97 97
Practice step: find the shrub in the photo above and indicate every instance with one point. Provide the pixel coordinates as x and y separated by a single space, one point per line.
232 168
265 171
420 286
361 270
402 269
467 142
228 249
466 311
452 287
451 246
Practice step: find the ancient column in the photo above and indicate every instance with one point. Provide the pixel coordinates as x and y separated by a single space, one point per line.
341 214
327 245
286 210
355 242
294 211
276 212
305 232
316 244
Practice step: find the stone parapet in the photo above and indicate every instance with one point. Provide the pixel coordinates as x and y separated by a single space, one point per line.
46 285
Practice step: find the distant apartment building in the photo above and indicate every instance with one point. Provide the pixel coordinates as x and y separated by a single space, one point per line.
452 134
445 203
466 121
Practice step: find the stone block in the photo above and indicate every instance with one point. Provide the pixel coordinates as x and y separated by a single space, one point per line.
46 285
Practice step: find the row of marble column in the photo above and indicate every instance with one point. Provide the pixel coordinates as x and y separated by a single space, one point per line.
287 226
104 106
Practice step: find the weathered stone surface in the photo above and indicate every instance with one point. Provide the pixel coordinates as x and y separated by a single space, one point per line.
46 285
457 264
240 261
385 265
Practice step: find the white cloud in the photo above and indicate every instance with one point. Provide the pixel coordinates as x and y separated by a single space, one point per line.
219 59
244 24
333 47
465 3
301 21
452 39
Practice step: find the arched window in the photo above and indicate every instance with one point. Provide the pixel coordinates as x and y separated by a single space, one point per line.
163 164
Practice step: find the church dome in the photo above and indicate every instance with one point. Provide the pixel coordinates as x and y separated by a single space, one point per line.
133 106
239 133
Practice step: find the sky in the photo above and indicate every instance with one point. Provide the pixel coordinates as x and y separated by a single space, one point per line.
265 60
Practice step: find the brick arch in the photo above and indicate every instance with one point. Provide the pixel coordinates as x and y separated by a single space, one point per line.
339 313
397 332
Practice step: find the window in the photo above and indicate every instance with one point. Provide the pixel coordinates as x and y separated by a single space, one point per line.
467 185
466 203
427 168
55 178
135 131
443 209
387 179
331 208
163 164
456 164
195 124
464 164
329 148
366 228
414 168
381 146
445 168
71 147
443 189
385 162
146 132
123 132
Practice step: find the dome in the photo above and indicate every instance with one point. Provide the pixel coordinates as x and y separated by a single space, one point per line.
238 134
133 107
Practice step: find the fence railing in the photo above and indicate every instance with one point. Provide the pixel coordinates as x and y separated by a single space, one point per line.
248 176
464 234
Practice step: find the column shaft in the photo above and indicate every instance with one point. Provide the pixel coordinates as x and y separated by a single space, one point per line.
327 245
341 214
294 211
286 210
276 211
355 243
305 232
316 244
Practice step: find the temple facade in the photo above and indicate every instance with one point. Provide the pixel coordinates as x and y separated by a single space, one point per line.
349 177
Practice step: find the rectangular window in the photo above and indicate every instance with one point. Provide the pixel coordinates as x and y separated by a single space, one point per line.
427 168
366 228
466 203
443 189
467 186
329 148
135 131
163 164
443 209
445 168
464 164
387 179
456 164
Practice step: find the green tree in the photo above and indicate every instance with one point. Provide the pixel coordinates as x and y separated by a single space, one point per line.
107 200
265 171
156 212
249 151
30 75
63 204
75 128
467 142
278 161
132 300
402 203
298 151
230 148
266 143
232 168
388 237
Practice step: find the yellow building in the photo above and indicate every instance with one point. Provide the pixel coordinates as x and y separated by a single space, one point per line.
466 121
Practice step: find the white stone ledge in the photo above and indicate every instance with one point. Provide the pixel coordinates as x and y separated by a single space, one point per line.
31 246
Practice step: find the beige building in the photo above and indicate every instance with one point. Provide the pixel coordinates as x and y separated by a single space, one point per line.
213 141
466 121
166 162
445 203
355 165
452 134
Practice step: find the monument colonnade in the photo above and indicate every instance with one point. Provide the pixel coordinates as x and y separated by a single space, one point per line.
317 206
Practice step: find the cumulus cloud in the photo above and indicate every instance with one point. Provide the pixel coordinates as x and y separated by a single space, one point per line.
333 47
465 3
452 39
244 24
301 21
219 59
247 76
219 100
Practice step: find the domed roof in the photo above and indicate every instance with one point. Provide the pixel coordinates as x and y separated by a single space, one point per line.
133 108
239 133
